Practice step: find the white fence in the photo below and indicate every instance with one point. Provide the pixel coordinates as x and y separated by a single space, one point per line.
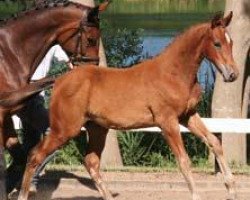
215 125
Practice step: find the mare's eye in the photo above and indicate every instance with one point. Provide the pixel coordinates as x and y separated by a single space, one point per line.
217 45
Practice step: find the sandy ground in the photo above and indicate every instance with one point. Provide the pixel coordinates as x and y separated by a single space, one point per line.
135 186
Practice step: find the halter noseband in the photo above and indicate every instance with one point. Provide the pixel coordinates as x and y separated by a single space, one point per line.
79 55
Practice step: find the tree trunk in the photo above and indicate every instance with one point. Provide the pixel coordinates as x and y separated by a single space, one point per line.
111 156
228 97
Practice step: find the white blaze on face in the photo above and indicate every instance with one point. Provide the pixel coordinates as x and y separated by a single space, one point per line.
227 37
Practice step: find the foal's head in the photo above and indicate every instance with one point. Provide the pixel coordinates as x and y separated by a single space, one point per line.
218 47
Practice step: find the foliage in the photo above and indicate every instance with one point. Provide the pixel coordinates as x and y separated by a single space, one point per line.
123 47
150 149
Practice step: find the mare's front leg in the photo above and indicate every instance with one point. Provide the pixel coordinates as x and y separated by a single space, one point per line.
196 126
96 143
171 132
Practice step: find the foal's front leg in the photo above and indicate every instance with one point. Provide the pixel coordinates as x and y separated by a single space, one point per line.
97 138
196 126
171 132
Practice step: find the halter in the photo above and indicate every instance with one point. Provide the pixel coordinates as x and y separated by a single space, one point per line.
79 55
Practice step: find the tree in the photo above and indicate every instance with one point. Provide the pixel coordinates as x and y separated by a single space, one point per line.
111 156
228 99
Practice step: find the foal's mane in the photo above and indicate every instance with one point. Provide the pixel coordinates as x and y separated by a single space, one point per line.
43 5
194 33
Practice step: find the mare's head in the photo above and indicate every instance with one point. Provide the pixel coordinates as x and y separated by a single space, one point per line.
218 47
82 42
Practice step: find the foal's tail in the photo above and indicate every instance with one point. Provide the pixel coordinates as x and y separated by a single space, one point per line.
15 98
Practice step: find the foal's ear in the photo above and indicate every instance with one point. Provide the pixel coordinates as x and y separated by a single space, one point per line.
228 19
218 20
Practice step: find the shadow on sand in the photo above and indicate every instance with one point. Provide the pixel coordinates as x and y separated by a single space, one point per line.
49 183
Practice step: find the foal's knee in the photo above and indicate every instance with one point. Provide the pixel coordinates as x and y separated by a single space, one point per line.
35 158
184 162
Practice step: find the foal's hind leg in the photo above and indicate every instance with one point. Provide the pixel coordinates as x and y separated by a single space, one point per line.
97 138
171 132
196 126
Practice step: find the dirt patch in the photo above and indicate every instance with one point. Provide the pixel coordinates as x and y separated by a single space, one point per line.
135 186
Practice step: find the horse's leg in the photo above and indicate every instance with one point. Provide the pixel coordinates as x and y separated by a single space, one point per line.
97 138
15 170
65 124
171 132
196 126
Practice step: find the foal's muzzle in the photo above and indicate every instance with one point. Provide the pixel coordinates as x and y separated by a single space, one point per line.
228 73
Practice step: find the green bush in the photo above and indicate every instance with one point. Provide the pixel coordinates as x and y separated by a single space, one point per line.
123 47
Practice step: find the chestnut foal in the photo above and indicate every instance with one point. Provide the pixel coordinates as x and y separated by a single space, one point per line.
160 92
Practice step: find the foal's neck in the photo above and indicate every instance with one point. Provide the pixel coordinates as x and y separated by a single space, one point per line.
184 55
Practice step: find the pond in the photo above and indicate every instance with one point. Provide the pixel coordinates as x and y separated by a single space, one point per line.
162 20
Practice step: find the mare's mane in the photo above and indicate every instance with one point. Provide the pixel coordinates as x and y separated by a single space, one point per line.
43 5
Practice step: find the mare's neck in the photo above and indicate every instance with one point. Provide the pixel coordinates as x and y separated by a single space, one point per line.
37 32
183 57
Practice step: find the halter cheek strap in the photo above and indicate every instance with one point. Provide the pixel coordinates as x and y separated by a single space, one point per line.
79 54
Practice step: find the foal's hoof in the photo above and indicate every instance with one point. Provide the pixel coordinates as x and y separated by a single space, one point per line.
232 197
196 197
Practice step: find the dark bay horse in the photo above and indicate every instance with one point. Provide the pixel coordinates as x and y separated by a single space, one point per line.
160 92
24 42
25 39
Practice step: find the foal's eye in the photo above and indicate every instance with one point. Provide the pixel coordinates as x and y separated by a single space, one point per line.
217 45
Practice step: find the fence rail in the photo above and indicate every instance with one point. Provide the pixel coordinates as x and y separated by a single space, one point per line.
215 125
